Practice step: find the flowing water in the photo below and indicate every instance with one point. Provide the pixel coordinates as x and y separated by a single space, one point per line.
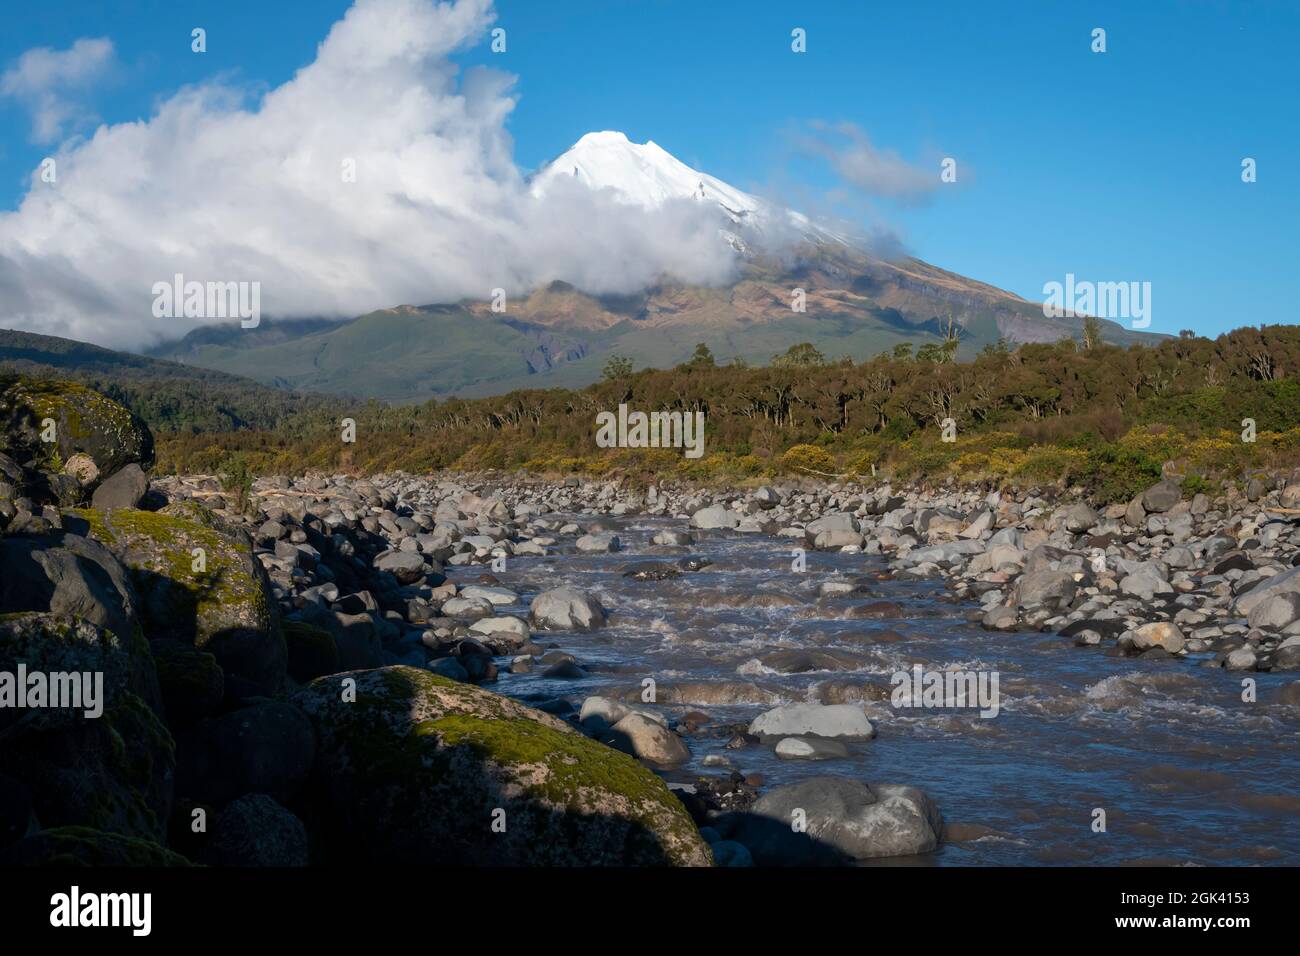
1185 771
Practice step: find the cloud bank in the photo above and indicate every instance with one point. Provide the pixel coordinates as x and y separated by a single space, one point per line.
378 175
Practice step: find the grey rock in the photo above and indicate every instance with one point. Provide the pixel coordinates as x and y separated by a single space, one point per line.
125 488
845 820
566 609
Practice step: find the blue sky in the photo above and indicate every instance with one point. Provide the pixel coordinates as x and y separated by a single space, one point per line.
1116 166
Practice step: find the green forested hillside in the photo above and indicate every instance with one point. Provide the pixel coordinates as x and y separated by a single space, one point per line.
168 395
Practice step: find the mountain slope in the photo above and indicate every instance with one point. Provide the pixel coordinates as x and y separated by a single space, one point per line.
856 305
168 395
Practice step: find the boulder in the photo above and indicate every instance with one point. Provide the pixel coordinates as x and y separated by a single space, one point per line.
651 571
266 747
566 609
843 820
715 516
1144 582
1288 582
1055 589
1276 611
125 489
834 540
192 682
416 769
505 630
85 422
837 521
846 721
69 846
1159 634
1161 496
598 543
601 713
198 583
254 830
311 651
105 763
810 748
68 575
406 566
1077 518
648 740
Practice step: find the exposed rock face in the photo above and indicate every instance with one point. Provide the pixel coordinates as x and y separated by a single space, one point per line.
414 769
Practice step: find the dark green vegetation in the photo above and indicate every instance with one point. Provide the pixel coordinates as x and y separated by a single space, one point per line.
168 395
1106 417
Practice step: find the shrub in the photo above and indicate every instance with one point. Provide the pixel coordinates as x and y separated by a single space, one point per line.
808 458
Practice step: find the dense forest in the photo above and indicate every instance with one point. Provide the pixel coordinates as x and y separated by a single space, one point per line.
169 396
1102 416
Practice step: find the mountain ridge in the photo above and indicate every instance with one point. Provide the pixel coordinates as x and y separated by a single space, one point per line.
856 304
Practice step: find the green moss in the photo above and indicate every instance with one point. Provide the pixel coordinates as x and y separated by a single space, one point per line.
413 740
169 543
85 846
574 763
85 421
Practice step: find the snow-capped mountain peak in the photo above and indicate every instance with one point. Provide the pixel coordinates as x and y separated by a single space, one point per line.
645 174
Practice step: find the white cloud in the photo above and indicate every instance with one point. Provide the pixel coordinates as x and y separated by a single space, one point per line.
46 82
222 190
857 161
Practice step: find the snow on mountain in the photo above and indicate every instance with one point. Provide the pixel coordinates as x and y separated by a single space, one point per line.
645 174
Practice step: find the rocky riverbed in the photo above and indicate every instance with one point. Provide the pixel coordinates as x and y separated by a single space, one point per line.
498 669
771 621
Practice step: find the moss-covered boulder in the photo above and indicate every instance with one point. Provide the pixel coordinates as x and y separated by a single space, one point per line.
70 576
46 644
191 681
313 652
85 422
256 831
108 763
412 768
266 746
85 846
198 583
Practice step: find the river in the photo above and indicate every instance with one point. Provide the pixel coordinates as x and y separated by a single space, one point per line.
1185 770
